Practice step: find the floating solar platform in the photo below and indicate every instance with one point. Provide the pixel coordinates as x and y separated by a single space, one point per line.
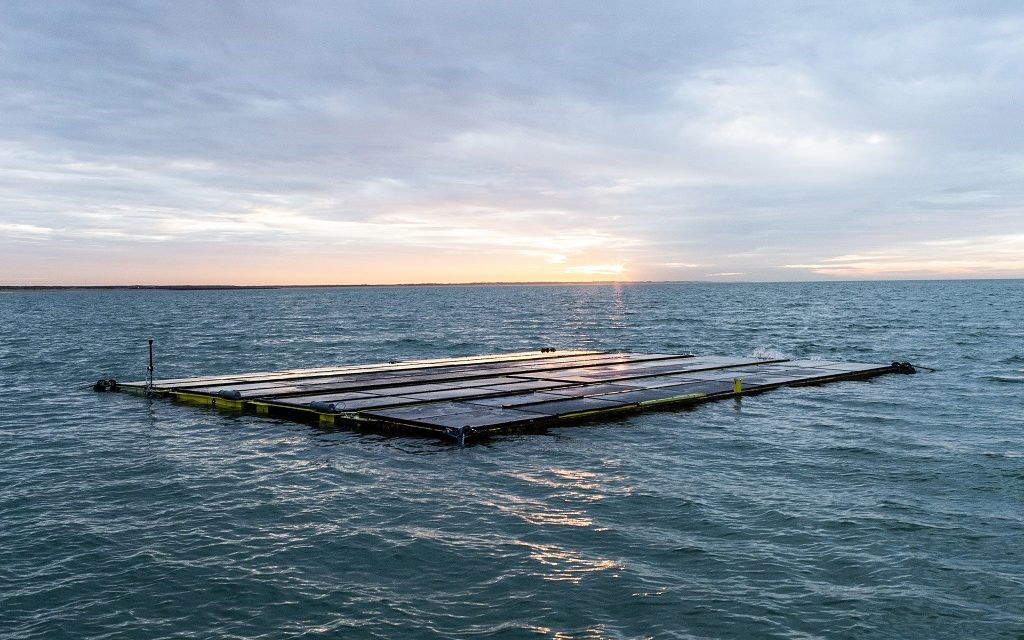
473 397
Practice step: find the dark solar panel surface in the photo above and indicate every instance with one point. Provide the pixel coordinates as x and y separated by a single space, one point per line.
524 388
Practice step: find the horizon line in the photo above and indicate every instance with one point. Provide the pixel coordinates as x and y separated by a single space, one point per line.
200 287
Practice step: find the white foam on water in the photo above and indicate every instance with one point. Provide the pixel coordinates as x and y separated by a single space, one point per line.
768 353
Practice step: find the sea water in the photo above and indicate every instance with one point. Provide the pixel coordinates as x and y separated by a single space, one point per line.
888 508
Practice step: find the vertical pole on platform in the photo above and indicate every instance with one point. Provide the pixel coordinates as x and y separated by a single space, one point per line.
149 371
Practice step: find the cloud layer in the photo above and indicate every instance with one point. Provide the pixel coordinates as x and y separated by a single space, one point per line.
462 141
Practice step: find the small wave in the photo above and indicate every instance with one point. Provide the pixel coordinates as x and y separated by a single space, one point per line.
1005 379
1004 454
1015 359
855 450
768 353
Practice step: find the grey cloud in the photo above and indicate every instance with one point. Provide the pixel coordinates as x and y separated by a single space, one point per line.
690 131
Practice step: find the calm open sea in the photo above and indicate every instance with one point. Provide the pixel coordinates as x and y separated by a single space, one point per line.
889 508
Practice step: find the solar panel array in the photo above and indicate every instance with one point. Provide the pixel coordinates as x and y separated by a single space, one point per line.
500 392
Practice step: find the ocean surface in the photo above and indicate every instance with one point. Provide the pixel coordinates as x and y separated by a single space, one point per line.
888 508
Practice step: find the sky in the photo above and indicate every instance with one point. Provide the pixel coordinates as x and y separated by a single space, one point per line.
231 142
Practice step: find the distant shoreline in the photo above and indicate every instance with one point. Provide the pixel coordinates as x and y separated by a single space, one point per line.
229 287
221 287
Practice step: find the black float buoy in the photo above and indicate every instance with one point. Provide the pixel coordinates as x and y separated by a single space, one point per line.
105 385
903 367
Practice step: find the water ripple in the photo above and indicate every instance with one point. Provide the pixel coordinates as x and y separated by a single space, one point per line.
887 508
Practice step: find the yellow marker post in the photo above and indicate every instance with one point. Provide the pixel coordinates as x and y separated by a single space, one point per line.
737 385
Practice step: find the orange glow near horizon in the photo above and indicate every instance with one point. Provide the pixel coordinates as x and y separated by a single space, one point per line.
969 257
255 266
474 255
